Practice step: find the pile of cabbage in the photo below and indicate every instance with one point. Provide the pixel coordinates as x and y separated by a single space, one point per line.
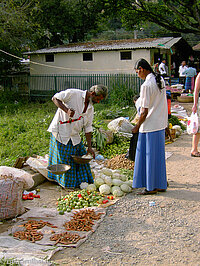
108 181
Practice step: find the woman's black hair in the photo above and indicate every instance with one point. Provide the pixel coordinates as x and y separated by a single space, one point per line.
144 64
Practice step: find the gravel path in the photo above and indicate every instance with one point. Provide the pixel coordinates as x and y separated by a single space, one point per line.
133 232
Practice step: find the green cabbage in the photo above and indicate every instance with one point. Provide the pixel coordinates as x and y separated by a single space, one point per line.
98 182
125 188
91 187
104 189
117 182
107 171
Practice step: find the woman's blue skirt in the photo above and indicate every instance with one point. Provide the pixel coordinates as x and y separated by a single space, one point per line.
61 154
150 165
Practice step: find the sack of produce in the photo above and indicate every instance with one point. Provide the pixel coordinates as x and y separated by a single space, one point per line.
120 124
13 182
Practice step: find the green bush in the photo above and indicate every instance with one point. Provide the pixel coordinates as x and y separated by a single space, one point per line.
107 112
121 95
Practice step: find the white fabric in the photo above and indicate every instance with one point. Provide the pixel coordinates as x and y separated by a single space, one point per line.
162 68
137 105
72 98
181 70
156 102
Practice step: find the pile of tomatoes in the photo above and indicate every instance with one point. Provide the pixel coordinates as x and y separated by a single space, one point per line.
30 196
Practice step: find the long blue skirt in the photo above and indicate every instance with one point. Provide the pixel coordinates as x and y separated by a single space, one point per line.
150 166
61 154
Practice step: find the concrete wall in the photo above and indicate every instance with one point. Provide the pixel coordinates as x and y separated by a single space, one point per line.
104 62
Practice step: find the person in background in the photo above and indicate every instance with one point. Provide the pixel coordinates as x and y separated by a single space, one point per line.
167 130
150 166
163 69
182 76
156 68
133 141
75 112
190 74
196 108
136 101
173 69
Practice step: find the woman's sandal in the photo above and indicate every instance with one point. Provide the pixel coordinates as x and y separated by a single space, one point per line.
146 192
196 154
161 190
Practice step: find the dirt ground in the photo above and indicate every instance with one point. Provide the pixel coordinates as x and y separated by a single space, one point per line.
133 232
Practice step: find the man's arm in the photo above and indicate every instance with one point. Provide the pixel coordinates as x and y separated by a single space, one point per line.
60 105
89 144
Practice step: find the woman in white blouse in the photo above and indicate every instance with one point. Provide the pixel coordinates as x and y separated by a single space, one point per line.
150 166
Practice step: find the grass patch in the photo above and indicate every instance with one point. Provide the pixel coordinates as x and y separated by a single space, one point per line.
23 128
8 262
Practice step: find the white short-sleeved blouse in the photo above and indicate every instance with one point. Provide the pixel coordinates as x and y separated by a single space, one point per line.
156 101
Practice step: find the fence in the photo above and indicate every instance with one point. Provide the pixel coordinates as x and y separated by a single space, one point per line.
48 85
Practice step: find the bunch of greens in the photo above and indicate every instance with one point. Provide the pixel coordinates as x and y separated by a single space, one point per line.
175 121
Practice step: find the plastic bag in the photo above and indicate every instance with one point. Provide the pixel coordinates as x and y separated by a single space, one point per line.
192 124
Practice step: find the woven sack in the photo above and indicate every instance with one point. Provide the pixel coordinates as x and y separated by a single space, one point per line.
12 183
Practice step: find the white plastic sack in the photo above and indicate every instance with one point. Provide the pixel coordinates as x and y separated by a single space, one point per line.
120 124
38 165
192 124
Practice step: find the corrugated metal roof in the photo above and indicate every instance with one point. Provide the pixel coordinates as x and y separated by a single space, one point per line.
129 44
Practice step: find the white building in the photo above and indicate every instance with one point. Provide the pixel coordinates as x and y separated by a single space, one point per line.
105 57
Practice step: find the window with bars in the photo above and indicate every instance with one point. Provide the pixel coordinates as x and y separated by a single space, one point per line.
87 57
126 55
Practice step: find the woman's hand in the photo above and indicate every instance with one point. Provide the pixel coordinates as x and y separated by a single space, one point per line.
135 129
194 108
91 151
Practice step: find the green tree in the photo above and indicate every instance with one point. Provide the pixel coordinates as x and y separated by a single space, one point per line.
16 31
67 20
182 16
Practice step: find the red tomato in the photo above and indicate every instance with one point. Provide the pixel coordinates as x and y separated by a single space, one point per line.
30 198
30 194
104 201
24 197
37 196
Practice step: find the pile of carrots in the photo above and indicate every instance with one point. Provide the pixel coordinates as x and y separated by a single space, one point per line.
82 220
